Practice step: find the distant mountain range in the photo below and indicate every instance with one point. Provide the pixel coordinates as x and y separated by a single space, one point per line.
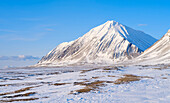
108 43
20 57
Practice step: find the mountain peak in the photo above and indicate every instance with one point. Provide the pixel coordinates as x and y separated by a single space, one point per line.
112 22
108 42
169 31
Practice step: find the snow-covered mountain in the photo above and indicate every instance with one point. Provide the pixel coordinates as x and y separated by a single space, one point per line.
159 52
107 43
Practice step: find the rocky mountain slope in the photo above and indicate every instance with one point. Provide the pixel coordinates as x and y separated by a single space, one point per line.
107 43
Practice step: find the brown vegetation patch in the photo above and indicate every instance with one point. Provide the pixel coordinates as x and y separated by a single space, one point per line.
42 78
18 91
126 80
84 90
161 68
146 77
129 78
109 81
16 79
84 71
39 74
111 76
39 78
107 71
96 84
131 75
21 95
145 65
14 100
45 97
82 75
80 83
58 84
157 68
111 68
55 73
81 79
89 86
164 78
20 84
95 77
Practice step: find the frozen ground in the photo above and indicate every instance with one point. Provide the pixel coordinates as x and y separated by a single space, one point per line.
99 84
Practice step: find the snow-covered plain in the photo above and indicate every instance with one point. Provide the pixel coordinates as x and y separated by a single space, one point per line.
90 84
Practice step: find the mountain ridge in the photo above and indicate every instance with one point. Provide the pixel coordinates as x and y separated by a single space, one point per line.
159 52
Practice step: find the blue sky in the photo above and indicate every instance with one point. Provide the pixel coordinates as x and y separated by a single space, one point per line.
34 27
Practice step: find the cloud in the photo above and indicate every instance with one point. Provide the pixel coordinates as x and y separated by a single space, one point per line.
20 57
142 24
